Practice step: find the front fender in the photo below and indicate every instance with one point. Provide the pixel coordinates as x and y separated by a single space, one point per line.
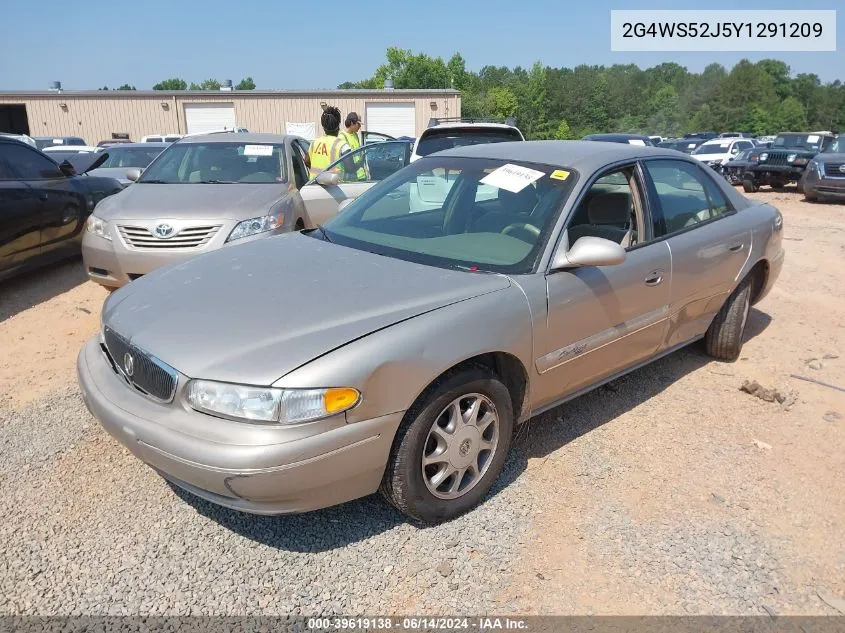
393 366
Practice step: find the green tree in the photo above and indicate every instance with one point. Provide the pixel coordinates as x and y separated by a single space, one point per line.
665 109
563 132
791 116
501 102
779 72
245 84
171 84
126 87
208 84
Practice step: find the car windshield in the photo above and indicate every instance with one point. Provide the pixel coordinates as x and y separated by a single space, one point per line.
437 140
798 141
218 163
130 156
721 147
742 155
836 147
497 216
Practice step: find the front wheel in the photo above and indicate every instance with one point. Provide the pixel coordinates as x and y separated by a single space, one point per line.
451 447
750 186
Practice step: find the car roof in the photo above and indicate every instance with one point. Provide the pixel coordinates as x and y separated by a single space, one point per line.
478 124
582 155
231 137
620 136
134 146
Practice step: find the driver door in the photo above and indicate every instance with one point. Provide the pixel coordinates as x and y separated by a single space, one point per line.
380 160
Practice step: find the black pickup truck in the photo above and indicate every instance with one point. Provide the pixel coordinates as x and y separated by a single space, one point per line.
786 159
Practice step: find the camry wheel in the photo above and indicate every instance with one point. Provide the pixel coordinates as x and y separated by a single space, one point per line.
451 447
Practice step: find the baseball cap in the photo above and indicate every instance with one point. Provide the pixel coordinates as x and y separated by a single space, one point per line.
352 118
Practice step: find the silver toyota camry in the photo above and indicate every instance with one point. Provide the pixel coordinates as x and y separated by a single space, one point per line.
397 349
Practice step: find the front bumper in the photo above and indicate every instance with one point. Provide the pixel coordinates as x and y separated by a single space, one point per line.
261 469
114 263
817 185
775 173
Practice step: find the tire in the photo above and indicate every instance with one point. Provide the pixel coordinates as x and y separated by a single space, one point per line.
723 339
750 186
408 484
810 197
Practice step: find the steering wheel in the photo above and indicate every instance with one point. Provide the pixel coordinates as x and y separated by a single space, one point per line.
522 226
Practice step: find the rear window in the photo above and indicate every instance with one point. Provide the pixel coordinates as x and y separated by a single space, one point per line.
438 140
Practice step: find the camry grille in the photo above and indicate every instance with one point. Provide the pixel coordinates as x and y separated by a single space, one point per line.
142 238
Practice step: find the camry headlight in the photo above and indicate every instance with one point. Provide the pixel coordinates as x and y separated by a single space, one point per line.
98 226
268 404
253 226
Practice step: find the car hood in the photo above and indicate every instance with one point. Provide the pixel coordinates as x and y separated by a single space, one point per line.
118 173
252 313
188 201
833 157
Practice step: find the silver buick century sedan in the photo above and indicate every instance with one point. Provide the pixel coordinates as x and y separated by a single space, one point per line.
396 350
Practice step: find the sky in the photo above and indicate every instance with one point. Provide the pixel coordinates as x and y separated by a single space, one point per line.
310 45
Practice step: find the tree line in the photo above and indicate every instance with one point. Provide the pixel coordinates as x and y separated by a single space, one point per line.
667 99
177 83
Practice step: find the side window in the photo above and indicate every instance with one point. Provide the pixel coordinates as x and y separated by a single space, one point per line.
686 196
6 172
379 161
300 171
611 209
29 164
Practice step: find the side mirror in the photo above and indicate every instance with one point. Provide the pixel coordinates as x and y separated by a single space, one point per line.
328 179
134 173
589 251
344 203
67 169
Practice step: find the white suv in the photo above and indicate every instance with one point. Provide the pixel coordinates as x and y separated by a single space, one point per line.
430 189
719 151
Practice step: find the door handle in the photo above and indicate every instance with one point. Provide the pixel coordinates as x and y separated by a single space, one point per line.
654 278
736 248
43 195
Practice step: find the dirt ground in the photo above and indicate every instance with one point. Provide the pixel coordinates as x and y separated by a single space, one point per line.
667 491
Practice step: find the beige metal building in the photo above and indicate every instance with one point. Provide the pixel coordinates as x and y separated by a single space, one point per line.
99 115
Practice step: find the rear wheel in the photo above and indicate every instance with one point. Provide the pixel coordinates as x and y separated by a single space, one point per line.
451 447
723 339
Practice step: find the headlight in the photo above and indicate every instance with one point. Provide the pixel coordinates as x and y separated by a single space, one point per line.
268 404
764 157
801 160
98 226
253 226
791 158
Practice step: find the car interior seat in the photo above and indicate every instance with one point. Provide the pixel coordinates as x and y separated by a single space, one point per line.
512 208
608 216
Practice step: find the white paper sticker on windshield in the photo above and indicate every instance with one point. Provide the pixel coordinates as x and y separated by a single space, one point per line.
258 150
813 138
513 178
58 141
636 141
691 145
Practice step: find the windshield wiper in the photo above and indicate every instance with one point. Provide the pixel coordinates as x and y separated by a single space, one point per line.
217 182
153 182
325 235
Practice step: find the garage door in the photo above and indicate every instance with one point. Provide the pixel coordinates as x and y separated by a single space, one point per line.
395 119
208 117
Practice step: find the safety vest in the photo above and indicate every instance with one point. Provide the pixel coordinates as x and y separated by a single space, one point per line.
354 143
323 152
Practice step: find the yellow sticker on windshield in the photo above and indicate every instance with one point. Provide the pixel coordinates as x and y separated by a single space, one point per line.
559 174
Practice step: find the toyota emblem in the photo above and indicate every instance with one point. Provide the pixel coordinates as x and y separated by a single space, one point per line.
842 168
128 364
163 230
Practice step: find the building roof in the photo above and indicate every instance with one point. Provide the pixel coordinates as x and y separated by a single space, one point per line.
88 94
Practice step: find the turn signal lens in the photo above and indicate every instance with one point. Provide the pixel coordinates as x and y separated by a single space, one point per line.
336 400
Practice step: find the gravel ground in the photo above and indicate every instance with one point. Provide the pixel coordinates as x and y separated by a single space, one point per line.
668 491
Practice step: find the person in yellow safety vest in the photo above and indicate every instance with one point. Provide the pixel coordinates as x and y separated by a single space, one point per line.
353 125
326 149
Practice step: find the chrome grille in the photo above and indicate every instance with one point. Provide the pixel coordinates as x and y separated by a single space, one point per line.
189 237
833 170
150 376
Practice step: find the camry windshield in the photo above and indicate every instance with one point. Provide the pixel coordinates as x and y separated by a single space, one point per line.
798 141
466 213
130 156
218 163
